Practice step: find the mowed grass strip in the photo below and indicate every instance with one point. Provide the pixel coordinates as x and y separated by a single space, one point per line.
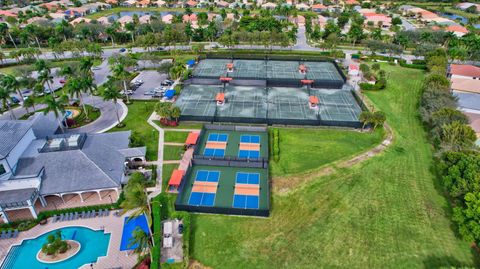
174 136
303 150
172 152
136 121
383 213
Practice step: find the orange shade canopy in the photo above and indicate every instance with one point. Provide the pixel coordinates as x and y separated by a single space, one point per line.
192 138
176 177
220 97
313 100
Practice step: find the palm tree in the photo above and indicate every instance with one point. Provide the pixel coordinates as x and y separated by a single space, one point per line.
4 97
120 73
11 82
136 200
141 240
89 87
75 88
4 29
29 102
44 74
86 64
110 93
57 107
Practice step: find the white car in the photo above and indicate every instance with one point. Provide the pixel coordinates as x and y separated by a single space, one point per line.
129 92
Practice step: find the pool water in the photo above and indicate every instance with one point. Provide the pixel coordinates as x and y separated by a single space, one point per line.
94 244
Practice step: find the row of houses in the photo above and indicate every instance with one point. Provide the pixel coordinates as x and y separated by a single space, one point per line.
378 19
432 19
466 5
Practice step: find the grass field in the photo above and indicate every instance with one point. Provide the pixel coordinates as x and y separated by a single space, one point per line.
304 149
136 120
178 137
14 69
383 213
172 152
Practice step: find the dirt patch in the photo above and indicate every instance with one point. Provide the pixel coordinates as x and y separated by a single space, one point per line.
197 265
74 248
282 185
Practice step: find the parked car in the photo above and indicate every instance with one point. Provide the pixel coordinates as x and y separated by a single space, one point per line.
160 89
96 68
160 49
129 92
180 228
123 50
150 92
168 81
14 100
26 91
62 81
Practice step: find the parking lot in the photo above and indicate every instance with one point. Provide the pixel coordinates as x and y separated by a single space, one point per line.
174 252
151 80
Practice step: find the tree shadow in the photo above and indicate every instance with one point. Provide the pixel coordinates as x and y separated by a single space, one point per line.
450 262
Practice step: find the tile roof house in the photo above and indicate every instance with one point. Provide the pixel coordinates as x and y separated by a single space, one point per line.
142 3
319 8
124 20
35 162
302 6
80 20
190 18
145 19
190 3
6 13
464 71
160 3
167 19
222 3
104 20
378 19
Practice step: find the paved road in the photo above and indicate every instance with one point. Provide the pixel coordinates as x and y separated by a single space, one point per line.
407 25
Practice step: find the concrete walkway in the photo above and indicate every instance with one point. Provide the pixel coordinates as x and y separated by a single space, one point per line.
173 144
161 139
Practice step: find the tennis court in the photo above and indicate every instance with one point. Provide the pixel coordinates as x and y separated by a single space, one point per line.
289 103
337 105
198 100
284 70
229 187
253 69
244 102
322 71
235 144
211 68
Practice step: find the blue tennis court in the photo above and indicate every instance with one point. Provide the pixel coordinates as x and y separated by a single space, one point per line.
245 201
251 154
250 139
214 137
214 152
201 199
247 178
207 176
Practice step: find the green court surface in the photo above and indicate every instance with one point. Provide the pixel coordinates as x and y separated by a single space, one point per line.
233 142
214 68
284 70
198 100
289 103
337 105
226 185
322 71
244 101
253 69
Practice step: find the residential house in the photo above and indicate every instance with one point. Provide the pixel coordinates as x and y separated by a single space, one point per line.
378 20
466 5
351 2
129 3
145 19
124 20
302 6
190 3
112 2
39 167
104 20
298 20
269 6
456 29
319 8
160 3
57 16
222 4
142 3
167 19
464 77
320 20
80 20
6 13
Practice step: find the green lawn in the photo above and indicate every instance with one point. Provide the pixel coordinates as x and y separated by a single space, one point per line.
178 137
172 152
306 149
14 69
136 121
383 213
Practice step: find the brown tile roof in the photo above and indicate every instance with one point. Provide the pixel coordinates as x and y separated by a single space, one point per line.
465 70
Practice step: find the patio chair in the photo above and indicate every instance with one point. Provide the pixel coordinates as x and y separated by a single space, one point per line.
61 218
70 216
75 217
9 234
82 215
15 233
93 213
88 215
54 218
100 213
107 213
2 236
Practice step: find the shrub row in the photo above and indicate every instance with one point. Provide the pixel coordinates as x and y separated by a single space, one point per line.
276 145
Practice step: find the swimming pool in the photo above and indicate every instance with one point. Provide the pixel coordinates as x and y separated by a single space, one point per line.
94 244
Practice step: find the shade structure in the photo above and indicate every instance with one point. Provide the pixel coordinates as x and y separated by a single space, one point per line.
169 93
313 100
230 65
176 177
306 81
192 138
302 68
225 79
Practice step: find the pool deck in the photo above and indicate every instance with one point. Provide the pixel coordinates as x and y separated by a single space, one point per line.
111 224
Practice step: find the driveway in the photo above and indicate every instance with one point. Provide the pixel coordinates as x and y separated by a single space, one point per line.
302 40
151 80
468 101
101 72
